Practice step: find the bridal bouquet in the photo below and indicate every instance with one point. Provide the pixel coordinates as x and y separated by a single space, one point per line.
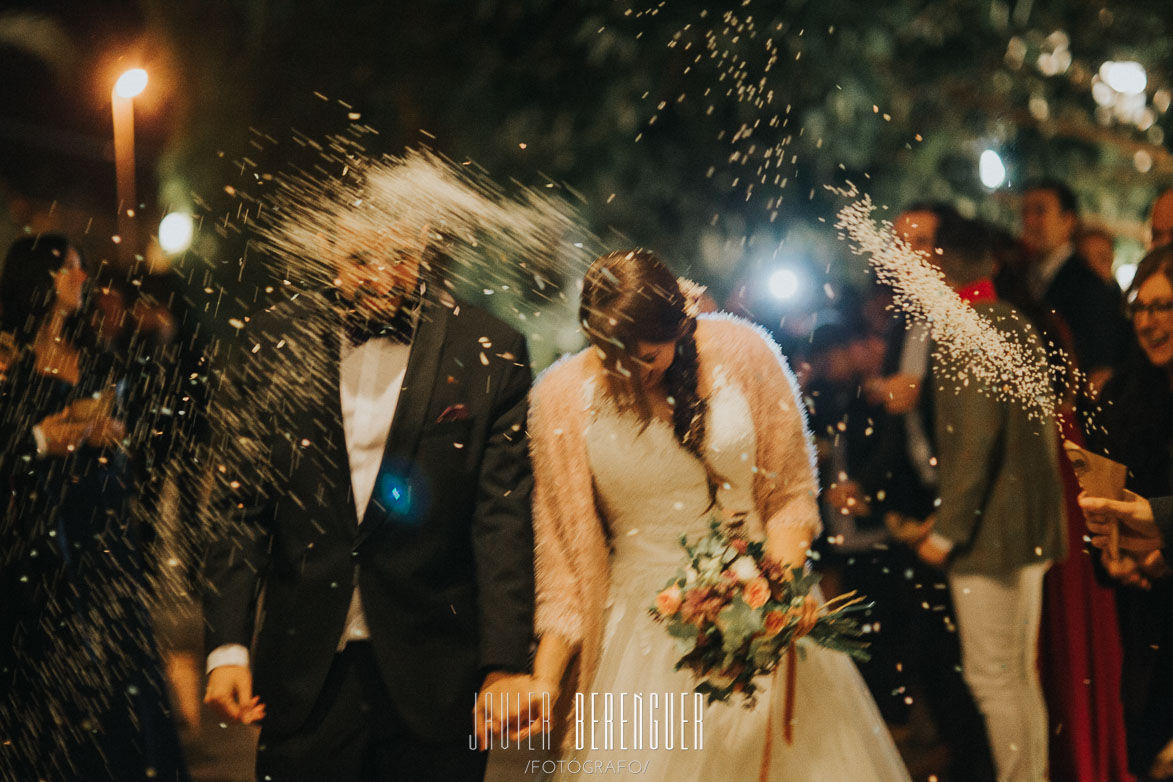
733 614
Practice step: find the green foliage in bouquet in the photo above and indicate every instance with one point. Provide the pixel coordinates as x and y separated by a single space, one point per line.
733 614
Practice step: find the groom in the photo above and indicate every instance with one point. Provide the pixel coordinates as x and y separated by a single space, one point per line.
371 527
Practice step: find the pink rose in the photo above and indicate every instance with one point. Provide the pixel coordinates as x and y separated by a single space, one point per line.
757 592
668 602
775 621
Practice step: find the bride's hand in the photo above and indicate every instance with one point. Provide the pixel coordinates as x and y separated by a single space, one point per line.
544 694
788 547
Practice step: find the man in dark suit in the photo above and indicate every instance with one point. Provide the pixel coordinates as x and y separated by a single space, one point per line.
1057 277
372 493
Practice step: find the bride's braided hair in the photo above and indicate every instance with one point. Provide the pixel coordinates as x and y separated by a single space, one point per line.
631 296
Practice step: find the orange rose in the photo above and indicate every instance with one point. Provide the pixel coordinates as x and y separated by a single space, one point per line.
757 592
775 621
693 605
668 602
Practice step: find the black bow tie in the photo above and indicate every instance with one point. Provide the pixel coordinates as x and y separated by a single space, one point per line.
398 327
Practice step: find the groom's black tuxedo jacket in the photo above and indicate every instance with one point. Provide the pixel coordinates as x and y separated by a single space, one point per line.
443 557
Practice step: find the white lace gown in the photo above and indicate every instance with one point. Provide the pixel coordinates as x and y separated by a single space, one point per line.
652 491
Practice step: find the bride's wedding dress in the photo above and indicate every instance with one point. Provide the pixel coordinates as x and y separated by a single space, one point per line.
651 491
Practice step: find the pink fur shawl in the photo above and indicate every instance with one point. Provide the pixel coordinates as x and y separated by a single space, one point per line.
571 549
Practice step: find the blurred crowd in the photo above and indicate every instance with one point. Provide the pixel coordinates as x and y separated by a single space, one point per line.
102 381
1003 644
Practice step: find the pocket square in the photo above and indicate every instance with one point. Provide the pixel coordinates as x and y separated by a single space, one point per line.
457 412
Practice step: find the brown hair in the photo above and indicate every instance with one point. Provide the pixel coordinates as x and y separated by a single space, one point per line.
1158 260
629 296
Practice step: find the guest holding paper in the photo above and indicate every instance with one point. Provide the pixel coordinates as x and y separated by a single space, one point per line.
1142 527
1137 422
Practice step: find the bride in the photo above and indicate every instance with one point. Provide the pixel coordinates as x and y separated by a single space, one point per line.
664 422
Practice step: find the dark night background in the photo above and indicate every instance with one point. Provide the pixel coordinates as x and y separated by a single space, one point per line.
631 108
708 130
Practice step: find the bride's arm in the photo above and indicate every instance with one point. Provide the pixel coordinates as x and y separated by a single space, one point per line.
785 485
558 607
563 499
553 655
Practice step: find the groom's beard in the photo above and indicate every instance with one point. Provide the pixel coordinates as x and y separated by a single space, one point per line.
368 313
365 301
376 302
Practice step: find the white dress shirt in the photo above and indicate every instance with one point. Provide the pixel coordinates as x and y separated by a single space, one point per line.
914 360
371 378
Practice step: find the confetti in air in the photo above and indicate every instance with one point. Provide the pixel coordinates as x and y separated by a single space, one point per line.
734 59
967 342
376 208
472 238
506 250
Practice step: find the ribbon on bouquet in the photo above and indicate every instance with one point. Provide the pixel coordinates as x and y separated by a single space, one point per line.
787 715
791 682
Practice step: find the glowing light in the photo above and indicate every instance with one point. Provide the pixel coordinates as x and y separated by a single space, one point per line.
1127 78
1124 274
1102 94
991 169
175 233
131 83
784 284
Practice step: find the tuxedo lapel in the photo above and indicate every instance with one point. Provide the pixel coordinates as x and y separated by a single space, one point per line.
335 457
410 415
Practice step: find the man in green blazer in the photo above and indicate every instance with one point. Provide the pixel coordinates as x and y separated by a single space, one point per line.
999 524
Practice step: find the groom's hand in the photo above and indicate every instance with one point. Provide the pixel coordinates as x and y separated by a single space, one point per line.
230 694
537 714
510 702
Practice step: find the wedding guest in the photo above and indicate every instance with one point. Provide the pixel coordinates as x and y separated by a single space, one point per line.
1136 428
1095 246
1000 520
1161 219
914 642
1057 276
83 695
838 416
1082 316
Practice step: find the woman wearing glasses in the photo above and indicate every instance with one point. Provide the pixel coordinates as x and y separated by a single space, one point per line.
1137 429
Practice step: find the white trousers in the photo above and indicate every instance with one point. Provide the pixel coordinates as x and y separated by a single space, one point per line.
998 621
